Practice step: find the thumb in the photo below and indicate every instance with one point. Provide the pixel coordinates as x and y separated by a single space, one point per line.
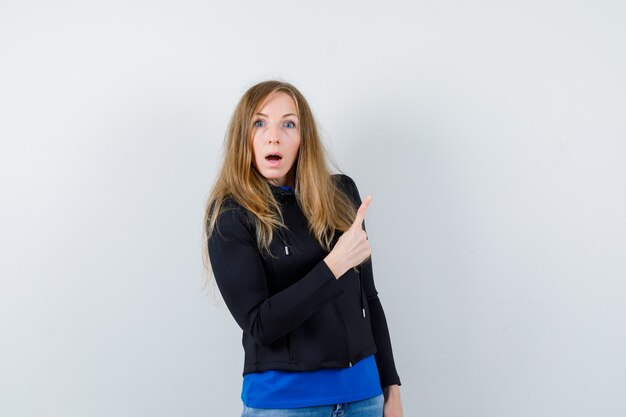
360 214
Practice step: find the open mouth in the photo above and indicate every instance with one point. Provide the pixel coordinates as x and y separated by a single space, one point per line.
274 157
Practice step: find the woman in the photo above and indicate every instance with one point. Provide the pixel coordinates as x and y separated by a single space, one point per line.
288 248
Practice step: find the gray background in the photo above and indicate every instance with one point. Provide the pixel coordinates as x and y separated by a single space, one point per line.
491 136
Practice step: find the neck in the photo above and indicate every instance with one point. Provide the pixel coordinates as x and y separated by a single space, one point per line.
289 181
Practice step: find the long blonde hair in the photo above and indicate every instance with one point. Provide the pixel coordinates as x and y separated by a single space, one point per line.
325 205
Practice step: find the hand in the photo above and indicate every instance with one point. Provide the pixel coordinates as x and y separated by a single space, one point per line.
393 403
352 247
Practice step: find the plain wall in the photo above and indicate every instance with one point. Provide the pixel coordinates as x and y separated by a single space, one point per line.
491 136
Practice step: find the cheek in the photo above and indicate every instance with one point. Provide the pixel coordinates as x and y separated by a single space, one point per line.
295 140
255 147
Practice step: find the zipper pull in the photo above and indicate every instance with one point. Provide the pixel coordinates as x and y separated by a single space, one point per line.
286 250
350 363
363 312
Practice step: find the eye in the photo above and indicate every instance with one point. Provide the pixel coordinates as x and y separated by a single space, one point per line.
290 124
259 123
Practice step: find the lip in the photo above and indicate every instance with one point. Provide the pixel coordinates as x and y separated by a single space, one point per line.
274 164
273 153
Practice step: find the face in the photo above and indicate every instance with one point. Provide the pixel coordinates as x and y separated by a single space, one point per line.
276 130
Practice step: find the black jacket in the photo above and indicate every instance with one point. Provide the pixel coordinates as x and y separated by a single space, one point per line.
295 315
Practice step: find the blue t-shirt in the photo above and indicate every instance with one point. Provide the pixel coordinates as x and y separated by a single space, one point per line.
286 389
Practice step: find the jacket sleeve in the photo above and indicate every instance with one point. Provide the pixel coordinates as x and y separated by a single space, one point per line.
240 276
384 355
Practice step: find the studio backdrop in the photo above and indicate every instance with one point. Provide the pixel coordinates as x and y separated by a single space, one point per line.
491 136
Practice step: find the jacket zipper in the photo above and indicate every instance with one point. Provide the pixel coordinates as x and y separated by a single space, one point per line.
343 331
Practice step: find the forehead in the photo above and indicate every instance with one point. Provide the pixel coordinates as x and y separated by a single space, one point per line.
278 101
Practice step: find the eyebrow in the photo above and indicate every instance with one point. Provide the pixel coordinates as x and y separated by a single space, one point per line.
284 115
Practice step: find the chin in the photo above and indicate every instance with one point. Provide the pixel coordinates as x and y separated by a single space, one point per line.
272 175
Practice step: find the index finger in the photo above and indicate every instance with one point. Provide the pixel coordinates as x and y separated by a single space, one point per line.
360 214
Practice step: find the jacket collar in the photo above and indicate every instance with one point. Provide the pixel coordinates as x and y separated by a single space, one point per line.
281 190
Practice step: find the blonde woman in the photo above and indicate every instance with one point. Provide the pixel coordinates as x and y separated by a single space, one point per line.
287 245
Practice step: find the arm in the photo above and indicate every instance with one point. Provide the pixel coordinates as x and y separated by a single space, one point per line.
384 354
240 277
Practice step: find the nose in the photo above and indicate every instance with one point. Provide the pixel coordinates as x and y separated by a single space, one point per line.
272 134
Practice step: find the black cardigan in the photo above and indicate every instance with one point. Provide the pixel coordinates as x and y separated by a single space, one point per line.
295 315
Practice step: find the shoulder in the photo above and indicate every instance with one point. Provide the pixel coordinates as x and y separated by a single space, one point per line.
347 184
233 216
344 181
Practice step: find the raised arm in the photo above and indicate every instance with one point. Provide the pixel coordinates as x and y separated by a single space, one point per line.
240 276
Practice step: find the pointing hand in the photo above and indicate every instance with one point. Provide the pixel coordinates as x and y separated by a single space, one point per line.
352 247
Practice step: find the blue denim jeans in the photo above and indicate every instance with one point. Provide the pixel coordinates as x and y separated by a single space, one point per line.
370 407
